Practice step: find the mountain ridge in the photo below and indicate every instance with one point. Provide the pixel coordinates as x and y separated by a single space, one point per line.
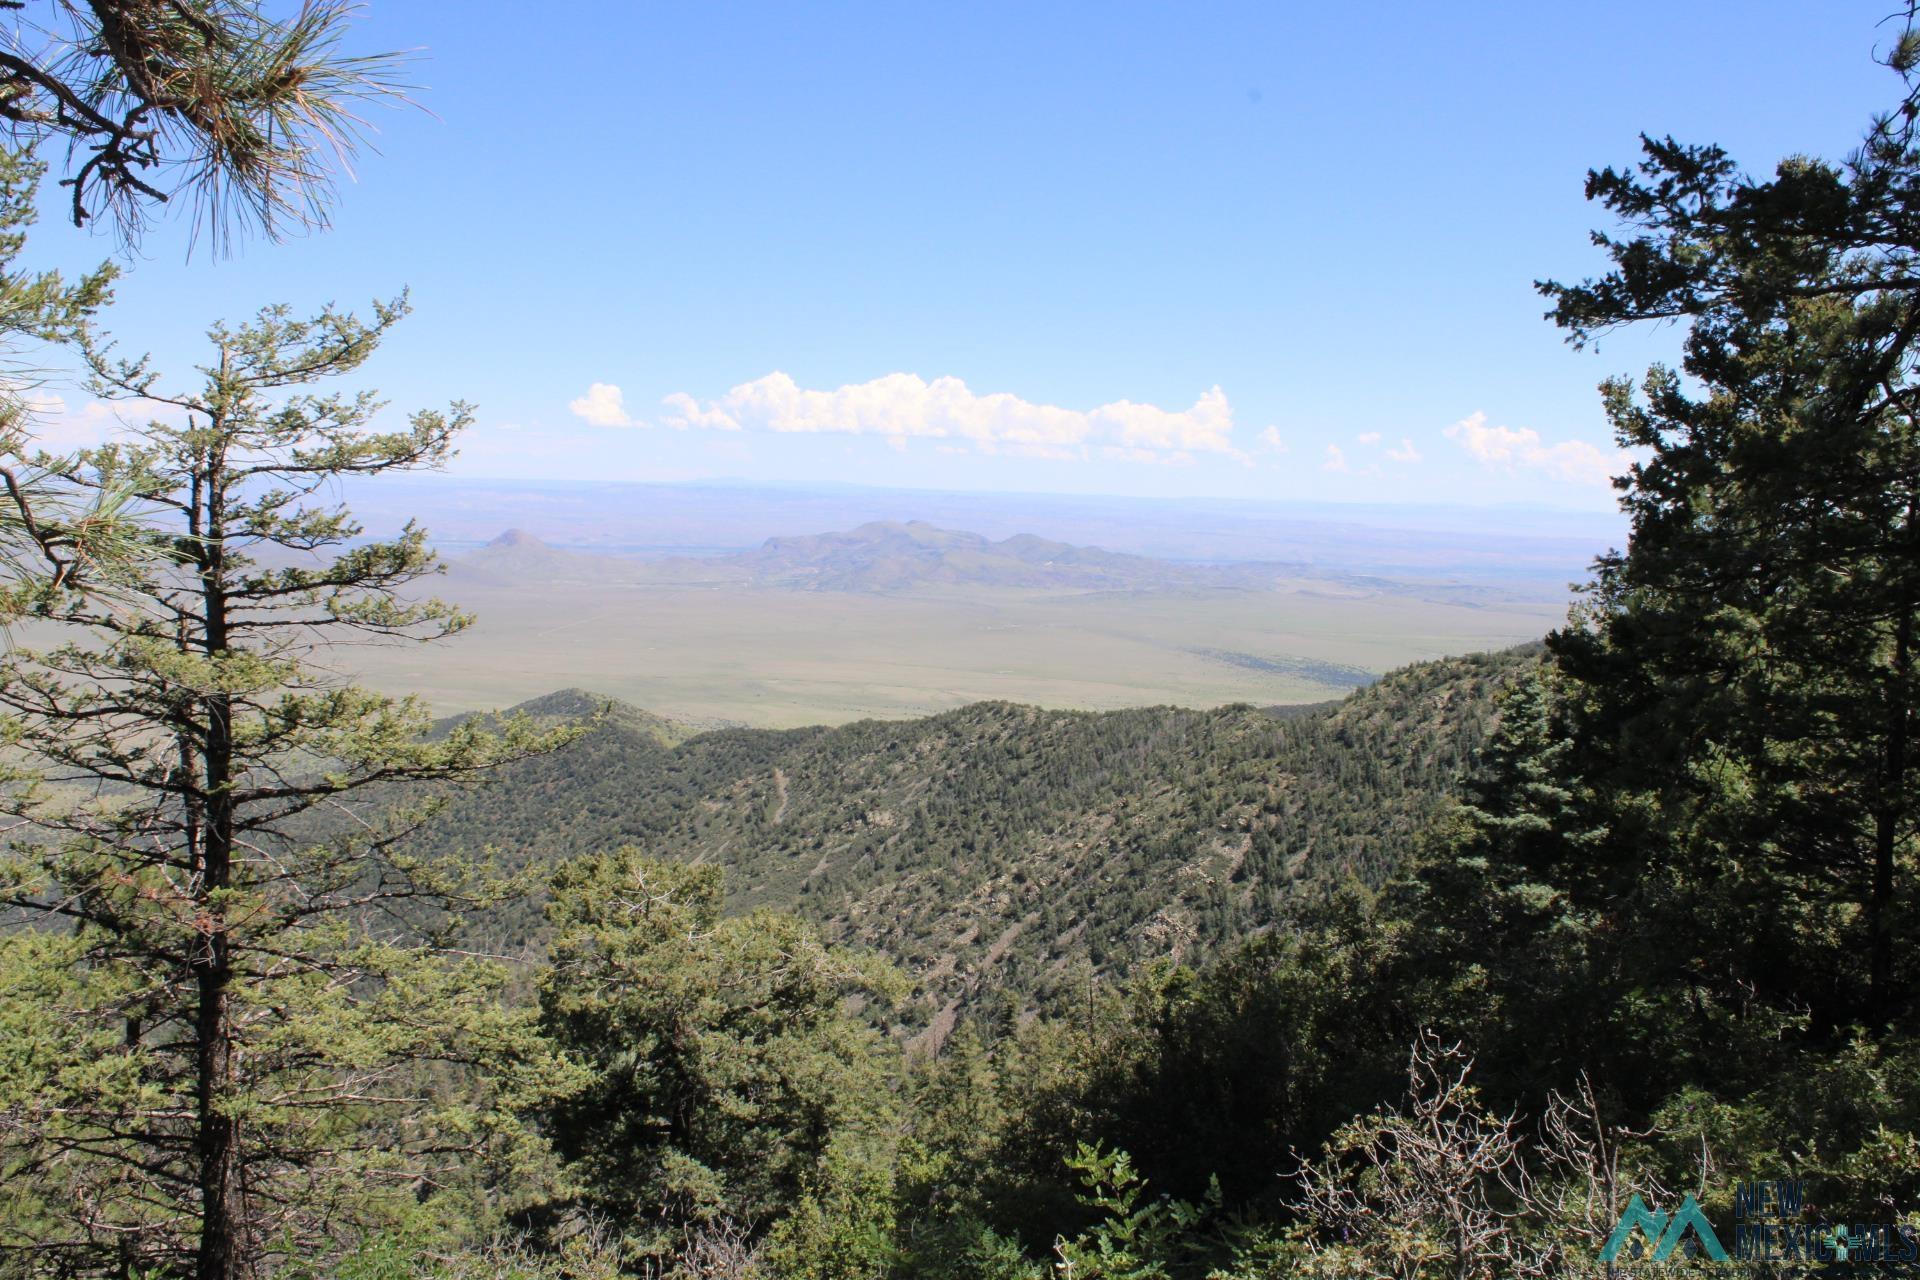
1005 855
885 557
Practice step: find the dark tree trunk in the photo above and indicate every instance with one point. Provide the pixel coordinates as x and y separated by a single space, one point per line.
223 1251
222 1206
221 1209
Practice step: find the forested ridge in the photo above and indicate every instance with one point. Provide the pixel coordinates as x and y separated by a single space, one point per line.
999 852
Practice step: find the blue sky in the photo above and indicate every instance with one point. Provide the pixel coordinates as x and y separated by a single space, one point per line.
1272 250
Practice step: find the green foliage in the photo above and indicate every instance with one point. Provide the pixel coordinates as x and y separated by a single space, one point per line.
1743 682
50 536
275 1046
729 1080
1209 1078
993 851
246 112
1690 869
843 1226
1135 1237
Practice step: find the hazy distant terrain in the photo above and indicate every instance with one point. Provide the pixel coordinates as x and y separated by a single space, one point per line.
1542 548
892 619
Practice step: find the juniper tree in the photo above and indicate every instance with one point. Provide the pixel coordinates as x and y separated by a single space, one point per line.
724 1081
264 1020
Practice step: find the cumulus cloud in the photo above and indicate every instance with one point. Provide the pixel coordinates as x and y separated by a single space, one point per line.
904 405
1574 461
1405 453
1336 459
1269 441
1368 437
684 411
603 406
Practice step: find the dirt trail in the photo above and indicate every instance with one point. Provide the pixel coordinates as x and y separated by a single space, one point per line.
779 790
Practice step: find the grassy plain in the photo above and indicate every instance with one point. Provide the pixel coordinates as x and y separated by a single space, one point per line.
774 658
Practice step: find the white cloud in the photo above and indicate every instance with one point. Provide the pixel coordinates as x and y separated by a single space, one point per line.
1368 437
55 427
1269 441
1574 461
1336 459
688 413
603 406
903 405
1405 453
37 402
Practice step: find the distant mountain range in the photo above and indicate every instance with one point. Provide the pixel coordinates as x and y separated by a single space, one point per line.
894 556
1538 549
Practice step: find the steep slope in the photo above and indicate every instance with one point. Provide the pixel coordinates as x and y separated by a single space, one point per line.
1006 849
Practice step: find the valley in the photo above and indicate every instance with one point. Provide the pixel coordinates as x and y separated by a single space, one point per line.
894 620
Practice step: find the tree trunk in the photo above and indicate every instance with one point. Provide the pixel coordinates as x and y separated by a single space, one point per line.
223 1245
221 1208
1888 819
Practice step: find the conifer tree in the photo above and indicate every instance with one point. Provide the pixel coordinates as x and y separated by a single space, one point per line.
723 1076
1747 668
250 114
47 535
1698 833
264 1030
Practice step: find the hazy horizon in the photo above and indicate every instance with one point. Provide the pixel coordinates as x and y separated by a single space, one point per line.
627 517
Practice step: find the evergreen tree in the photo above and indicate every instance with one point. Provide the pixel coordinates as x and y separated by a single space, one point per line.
726 1081
48 536
215 818
1691 861
1745 674
249 114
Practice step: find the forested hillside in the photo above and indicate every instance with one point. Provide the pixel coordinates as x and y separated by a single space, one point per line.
1006 849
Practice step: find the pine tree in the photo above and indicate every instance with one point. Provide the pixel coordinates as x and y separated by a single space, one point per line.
249 114
48 536
1691 861
218 821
